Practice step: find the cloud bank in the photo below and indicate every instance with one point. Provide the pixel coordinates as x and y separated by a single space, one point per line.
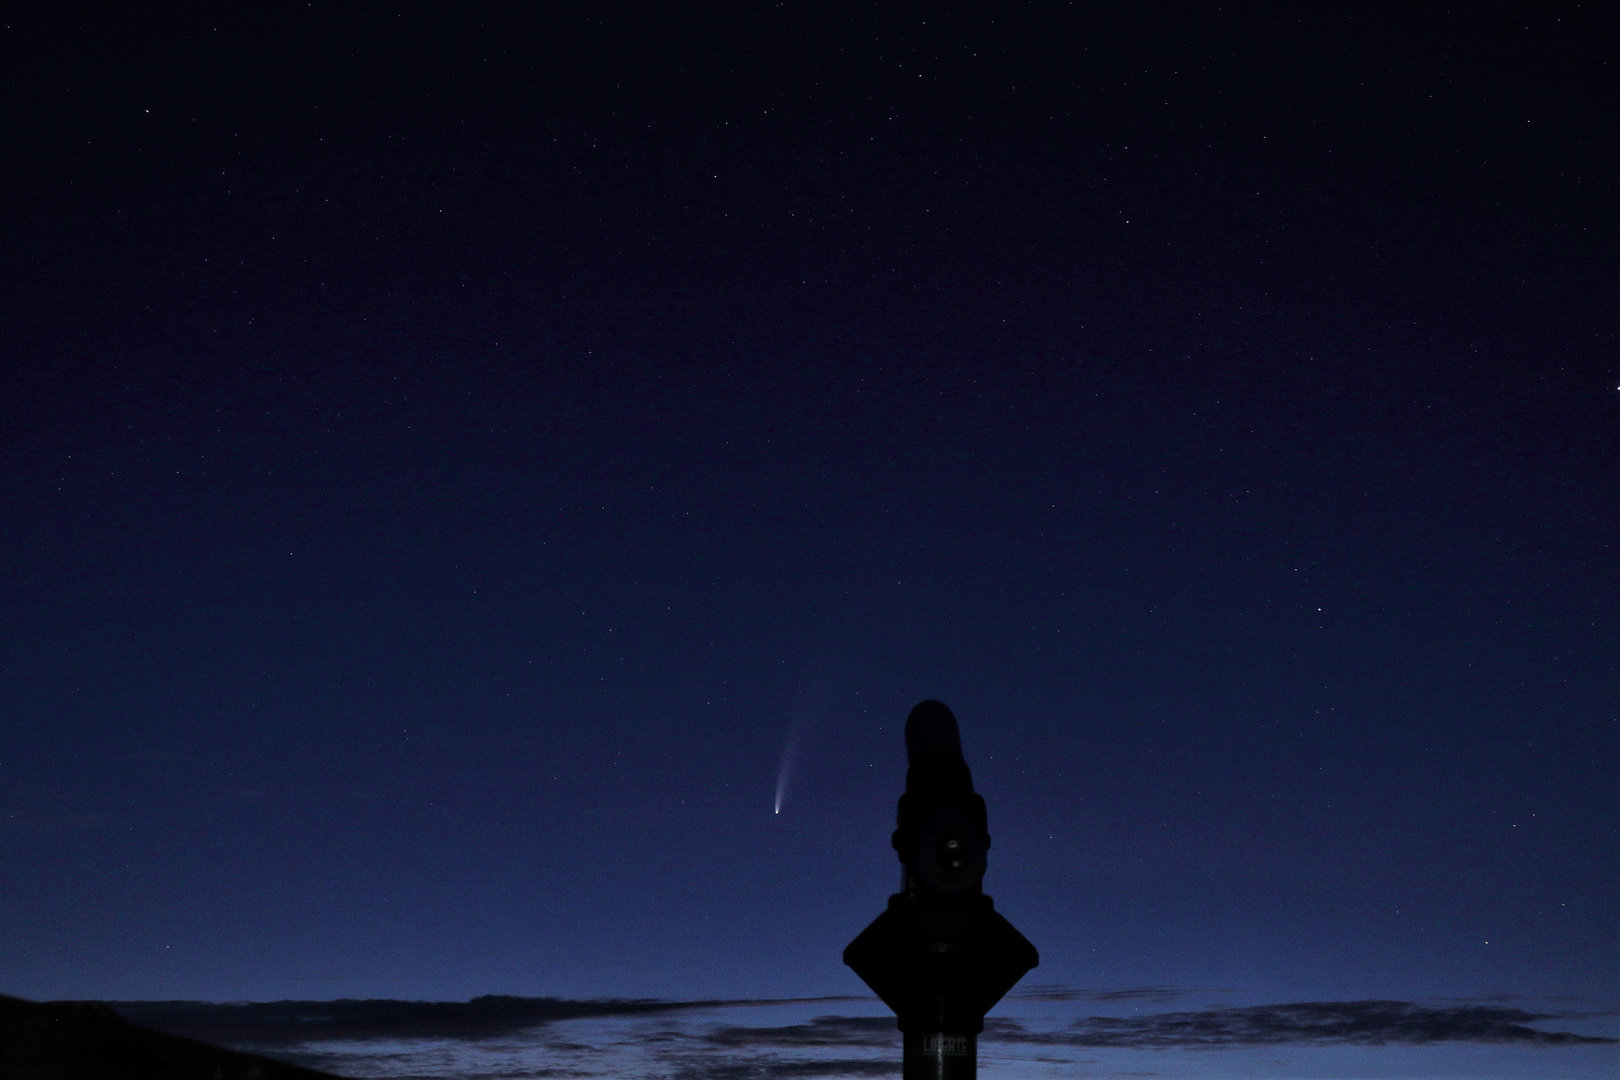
1314 1023
1305 1023
498 1037
271 1023
1308 1023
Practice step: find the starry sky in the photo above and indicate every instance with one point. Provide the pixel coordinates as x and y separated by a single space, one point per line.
481 488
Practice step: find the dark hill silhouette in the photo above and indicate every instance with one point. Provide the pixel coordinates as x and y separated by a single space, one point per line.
86 1040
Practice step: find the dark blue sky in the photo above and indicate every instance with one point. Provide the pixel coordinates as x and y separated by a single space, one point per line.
447 457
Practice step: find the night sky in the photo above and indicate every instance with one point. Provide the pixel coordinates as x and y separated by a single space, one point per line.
459 468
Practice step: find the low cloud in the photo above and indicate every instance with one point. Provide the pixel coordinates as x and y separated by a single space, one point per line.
270 1023
287 1022
1306 1023
823 1031
684 1040
785 1069
1303 1023
1157 995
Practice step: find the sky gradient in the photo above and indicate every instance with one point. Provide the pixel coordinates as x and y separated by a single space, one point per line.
480 492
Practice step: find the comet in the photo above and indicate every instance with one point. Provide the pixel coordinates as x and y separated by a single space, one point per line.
790 758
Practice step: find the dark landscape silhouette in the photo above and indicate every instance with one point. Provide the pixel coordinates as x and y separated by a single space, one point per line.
87 1040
